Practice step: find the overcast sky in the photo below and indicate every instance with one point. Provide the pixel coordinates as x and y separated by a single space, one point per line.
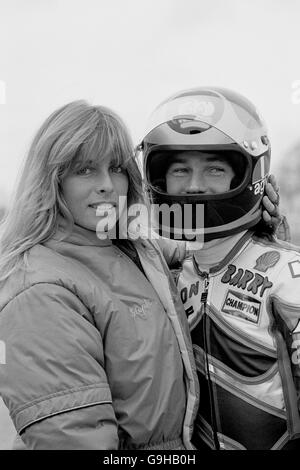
131 54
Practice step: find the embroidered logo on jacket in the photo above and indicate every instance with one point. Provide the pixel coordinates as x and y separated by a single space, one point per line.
267 260
242 306
141 310
245 279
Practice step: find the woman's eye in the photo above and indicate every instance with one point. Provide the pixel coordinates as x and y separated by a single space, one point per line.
117 169
85 171
179 171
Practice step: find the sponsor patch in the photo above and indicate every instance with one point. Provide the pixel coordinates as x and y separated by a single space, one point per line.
242 306
246 280
295 268
267 260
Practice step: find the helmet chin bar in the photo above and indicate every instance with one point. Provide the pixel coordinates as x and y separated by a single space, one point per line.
202 235
203 221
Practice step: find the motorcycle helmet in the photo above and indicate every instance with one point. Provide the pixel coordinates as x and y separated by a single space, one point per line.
207 120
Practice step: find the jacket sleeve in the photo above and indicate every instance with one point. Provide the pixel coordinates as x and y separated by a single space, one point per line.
286 310
53 382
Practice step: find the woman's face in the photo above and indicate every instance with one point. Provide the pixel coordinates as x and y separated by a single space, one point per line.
93 192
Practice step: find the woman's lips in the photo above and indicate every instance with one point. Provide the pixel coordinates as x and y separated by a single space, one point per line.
103 208
103 205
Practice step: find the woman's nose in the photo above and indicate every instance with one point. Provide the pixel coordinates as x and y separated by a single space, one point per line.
104 183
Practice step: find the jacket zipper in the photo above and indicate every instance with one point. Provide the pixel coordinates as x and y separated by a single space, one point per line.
204 296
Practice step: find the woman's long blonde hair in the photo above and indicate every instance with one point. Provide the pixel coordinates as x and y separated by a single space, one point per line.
70 136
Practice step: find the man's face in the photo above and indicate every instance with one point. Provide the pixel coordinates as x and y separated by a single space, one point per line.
198 172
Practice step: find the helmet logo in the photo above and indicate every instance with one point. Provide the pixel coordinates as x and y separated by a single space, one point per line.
259 187
197 108
267 260
259 171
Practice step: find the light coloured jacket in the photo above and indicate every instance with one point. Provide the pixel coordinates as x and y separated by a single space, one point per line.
246 338
97 355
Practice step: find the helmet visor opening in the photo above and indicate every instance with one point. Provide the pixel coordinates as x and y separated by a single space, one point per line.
207 173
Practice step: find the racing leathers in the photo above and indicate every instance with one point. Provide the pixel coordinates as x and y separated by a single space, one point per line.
244 317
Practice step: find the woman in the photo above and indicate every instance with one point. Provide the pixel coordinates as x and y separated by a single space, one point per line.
98 354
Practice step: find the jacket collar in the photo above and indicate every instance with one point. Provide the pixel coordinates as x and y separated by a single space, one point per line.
78 235
236 244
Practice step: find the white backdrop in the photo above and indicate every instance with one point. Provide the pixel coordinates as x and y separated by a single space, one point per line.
131 54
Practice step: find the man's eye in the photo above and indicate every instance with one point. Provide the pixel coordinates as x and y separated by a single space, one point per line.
217 170
179 171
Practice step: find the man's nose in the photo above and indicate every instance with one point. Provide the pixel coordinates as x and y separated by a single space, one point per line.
104 182
196 184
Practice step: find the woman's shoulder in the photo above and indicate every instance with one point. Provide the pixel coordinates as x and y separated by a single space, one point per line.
43 266
46 264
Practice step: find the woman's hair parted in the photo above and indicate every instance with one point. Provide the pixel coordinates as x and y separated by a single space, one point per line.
70 137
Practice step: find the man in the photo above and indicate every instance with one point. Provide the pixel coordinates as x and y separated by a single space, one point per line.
241 291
